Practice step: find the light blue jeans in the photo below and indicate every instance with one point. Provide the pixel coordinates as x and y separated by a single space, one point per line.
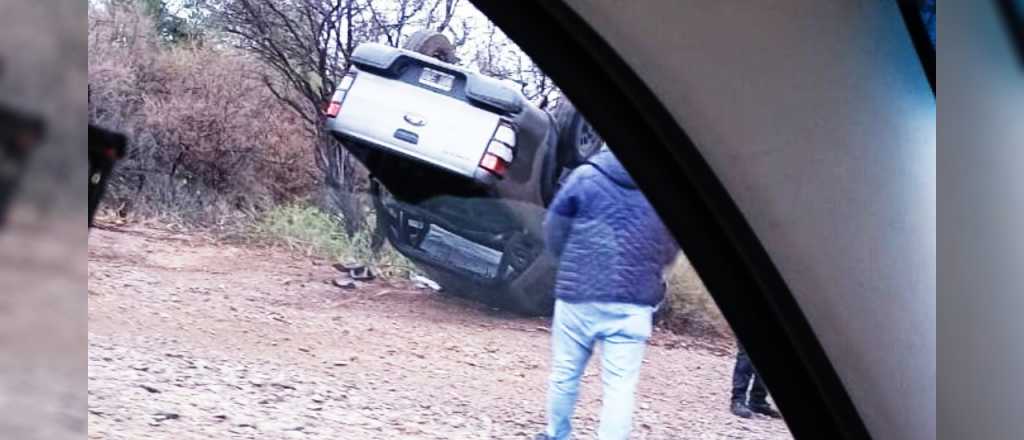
623 330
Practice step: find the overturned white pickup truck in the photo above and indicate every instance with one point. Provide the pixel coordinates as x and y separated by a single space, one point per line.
463 166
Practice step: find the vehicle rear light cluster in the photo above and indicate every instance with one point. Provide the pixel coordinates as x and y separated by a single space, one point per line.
501 149
334 105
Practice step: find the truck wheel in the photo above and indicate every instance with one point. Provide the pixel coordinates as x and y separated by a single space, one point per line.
577 139
433 44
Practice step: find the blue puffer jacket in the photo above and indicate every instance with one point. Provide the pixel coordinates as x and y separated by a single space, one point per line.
610 243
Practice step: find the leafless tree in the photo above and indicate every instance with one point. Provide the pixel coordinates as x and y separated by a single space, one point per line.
498 56
191 153
307 45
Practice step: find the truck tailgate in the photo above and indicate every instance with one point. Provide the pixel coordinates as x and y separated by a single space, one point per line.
416 121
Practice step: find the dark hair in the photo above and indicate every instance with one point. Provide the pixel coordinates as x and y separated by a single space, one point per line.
105 148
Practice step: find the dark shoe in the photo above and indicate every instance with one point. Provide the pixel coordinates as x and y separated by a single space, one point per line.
740 410
765 409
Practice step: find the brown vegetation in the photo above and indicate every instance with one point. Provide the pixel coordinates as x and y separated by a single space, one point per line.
208 138
689 308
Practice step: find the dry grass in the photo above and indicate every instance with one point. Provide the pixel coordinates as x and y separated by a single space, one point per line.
306 229
689 307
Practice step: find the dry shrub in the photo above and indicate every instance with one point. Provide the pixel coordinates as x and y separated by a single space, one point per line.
208 140
689 308
305 228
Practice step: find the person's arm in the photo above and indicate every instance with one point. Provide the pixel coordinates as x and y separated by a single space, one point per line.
561 212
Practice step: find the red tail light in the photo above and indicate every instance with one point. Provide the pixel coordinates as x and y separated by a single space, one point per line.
333 108
501 149
494 164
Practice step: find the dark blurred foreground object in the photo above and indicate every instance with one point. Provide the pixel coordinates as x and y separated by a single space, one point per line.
19 135
1013 14
105 148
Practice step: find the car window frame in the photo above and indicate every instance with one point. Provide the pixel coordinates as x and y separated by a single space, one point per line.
911 12
1013 18
717 239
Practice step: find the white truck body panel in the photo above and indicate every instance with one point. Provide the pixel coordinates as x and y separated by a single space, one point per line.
452 134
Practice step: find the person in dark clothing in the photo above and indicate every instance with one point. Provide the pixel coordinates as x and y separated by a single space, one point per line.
19 136
612 250
743 377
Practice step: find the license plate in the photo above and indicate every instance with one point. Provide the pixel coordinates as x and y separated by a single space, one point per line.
437 79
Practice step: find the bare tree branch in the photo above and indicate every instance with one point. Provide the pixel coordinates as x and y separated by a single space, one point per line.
449 13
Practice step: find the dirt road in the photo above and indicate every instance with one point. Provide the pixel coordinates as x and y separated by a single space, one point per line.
193 339
42 329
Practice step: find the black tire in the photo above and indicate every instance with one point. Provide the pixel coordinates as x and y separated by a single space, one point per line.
433 44
577 139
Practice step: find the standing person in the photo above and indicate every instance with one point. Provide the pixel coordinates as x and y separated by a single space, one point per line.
612 250
743 377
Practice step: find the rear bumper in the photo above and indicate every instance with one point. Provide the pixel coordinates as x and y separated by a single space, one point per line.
488 258
527 289
481 272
